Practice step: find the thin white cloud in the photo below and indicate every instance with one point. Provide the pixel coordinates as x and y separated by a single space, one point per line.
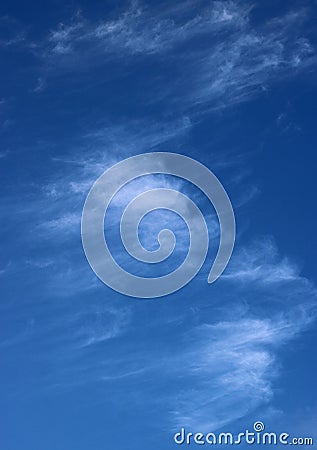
261 263
234 361
97 325
246 63
73 331
66 222
12 33
106 146
228 61
139 30
40 85
232 367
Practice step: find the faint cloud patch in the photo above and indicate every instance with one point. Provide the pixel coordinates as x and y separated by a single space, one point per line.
261 263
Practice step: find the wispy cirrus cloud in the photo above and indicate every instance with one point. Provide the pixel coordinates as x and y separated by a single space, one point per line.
233 367
261 263
233 360
140 30
226 57
228 364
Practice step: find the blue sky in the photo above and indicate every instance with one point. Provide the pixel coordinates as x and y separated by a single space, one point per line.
86 84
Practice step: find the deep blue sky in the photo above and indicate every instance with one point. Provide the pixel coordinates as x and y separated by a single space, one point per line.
86 84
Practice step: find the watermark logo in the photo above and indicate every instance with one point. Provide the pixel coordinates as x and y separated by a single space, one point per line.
258 426
110 183
257 436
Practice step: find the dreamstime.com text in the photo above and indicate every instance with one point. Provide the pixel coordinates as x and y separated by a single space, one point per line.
258 436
